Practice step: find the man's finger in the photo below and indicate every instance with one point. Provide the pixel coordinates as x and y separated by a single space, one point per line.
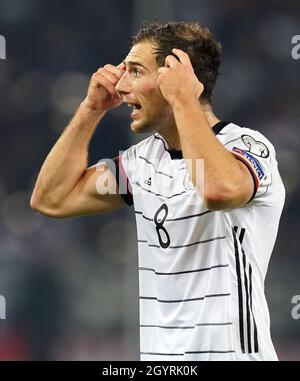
162 70
100 79
112 77
183 56
116 70
121 66
171 61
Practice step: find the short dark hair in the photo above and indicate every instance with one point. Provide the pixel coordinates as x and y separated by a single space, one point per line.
198 42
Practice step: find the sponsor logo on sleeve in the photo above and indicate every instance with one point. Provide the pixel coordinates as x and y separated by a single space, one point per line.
252 160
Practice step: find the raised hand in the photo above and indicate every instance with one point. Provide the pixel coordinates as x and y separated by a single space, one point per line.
102 94
177 80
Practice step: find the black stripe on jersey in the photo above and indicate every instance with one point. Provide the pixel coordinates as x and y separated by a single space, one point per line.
183 272
157 246
164 327
193 243
146 218
157 194
186 353
176 219
200 352
171 301
159 172
254 322
213 324
240 292
146 190
247 294
182 300
181 246
191 216
186 327
161 354
241 236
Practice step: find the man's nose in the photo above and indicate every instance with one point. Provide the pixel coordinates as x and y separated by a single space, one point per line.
123 85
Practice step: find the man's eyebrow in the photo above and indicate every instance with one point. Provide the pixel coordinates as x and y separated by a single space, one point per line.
133 63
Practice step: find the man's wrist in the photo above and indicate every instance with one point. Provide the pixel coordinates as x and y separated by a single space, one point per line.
188 105
93 112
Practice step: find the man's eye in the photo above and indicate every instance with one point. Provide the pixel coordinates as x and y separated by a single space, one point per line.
136 72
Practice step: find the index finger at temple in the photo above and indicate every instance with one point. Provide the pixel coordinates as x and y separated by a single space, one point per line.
116 70
122 65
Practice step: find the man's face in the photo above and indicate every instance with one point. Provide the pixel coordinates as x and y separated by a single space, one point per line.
140 90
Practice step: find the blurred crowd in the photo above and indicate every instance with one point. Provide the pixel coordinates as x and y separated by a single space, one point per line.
71 286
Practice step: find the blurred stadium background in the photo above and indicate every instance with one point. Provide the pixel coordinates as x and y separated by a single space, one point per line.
71 285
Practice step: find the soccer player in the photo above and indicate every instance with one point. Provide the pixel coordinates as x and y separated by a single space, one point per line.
207 197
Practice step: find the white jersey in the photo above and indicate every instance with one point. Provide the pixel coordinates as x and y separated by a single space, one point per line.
201 272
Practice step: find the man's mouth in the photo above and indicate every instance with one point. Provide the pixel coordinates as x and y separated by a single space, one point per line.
136 108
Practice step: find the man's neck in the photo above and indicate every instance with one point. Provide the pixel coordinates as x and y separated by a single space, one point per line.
171 135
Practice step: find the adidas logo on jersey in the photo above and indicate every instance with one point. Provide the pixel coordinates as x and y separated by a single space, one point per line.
148 181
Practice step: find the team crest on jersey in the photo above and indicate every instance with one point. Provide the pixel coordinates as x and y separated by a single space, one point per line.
187 182
254 163
255 147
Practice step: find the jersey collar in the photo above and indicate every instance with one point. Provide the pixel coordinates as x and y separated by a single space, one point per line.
177 154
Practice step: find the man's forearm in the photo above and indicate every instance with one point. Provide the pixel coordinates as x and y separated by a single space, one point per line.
199 142
68 159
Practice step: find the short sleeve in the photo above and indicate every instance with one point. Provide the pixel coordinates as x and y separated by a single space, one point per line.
257 153
124 168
